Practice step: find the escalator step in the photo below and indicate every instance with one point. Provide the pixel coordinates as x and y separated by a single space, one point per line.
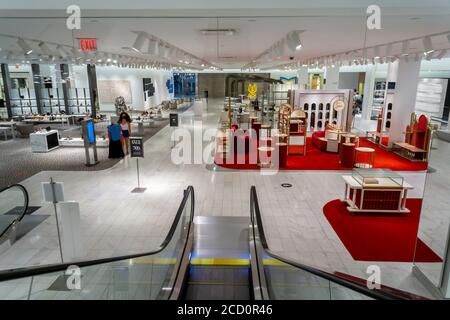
217 283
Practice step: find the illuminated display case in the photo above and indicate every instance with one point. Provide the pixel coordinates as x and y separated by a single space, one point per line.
375 190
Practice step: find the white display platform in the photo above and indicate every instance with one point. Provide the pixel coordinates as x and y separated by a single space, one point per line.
44 141
78 142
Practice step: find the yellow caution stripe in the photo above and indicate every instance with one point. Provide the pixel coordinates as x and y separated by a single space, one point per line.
219 262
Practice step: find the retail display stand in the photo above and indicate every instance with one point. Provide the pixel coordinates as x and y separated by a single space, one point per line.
45 141
417 139
375 190
137 151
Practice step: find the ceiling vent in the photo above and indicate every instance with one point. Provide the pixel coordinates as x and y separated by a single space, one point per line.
221 32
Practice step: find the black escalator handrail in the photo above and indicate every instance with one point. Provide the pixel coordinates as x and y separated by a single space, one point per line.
25 209
374 293
34 271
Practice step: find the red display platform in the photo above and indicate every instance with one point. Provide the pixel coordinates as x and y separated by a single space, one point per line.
378 236
318 160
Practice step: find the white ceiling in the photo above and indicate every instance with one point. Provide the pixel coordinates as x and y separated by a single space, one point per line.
328 30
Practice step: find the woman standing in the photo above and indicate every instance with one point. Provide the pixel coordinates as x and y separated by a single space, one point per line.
125 124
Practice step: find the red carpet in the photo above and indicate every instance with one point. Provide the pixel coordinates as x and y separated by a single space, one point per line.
318 160
380 237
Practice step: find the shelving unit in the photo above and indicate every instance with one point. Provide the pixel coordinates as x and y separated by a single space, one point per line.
79 101
52 101
23 101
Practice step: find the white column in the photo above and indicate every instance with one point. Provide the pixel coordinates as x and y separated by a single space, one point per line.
404 98
303 77
332 76
369 84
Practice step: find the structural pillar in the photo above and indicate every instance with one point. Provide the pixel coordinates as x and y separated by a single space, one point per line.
404 101
6 88
93 91
64 69
332 76
303 78
368 92
37 82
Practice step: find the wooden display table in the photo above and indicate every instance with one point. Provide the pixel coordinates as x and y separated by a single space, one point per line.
382 194
364 157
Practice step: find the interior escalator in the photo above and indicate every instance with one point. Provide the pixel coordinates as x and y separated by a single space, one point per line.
201 258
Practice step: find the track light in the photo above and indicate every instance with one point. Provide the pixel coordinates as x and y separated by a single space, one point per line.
388 50
24 46
293 41
139 42
405 47
152 47
427 45
62 51
376 52
441 54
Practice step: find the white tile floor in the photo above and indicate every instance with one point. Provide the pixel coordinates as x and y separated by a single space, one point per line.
117 222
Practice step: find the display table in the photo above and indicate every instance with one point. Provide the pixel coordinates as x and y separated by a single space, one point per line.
265 156
268 128
347 154
78 142
364 157
376 190
44 141
9 125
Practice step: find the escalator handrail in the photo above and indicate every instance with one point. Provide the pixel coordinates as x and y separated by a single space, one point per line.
25 209
34 271
378 294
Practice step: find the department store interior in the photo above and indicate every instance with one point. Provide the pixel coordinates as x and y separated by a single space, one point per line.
238 151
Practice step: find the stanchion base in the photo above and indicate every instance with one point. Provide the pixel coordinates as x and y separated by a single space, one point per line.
138 190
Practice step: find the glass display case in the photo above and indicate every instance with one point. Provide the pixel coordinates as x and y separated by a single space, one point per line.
376 191
377 177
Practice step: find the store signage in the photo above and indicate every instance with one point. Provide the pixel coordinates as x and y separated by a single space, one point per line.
88 44
137 147
252 89
173 119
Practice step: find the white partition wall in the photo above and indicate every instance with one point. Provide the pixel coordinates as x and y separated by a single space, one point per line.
318 105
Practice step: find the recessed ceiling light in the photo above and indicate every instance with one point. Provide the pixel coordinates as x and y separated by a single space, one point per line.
415 18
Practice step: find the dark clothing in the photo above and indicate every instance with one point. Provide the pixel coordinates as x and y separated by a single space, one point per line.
115 150
115 145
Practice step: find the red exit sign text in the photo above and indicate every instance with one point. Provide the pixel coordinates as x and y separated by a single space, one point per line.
88 44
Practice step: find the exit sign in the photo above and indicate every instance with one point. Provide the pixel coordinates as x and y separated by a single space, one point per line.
88 44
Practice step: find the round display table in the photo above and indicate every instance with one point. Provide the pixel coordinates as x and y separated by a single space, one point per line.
265 156
282 154
364 157
347 154
268 128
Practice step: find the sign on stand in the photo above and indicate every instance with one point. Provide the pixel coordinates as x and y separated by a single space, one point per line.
173 121
137 151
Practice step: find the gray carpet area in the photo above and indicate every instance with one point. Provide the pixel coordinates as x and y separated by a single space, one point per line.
17 162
